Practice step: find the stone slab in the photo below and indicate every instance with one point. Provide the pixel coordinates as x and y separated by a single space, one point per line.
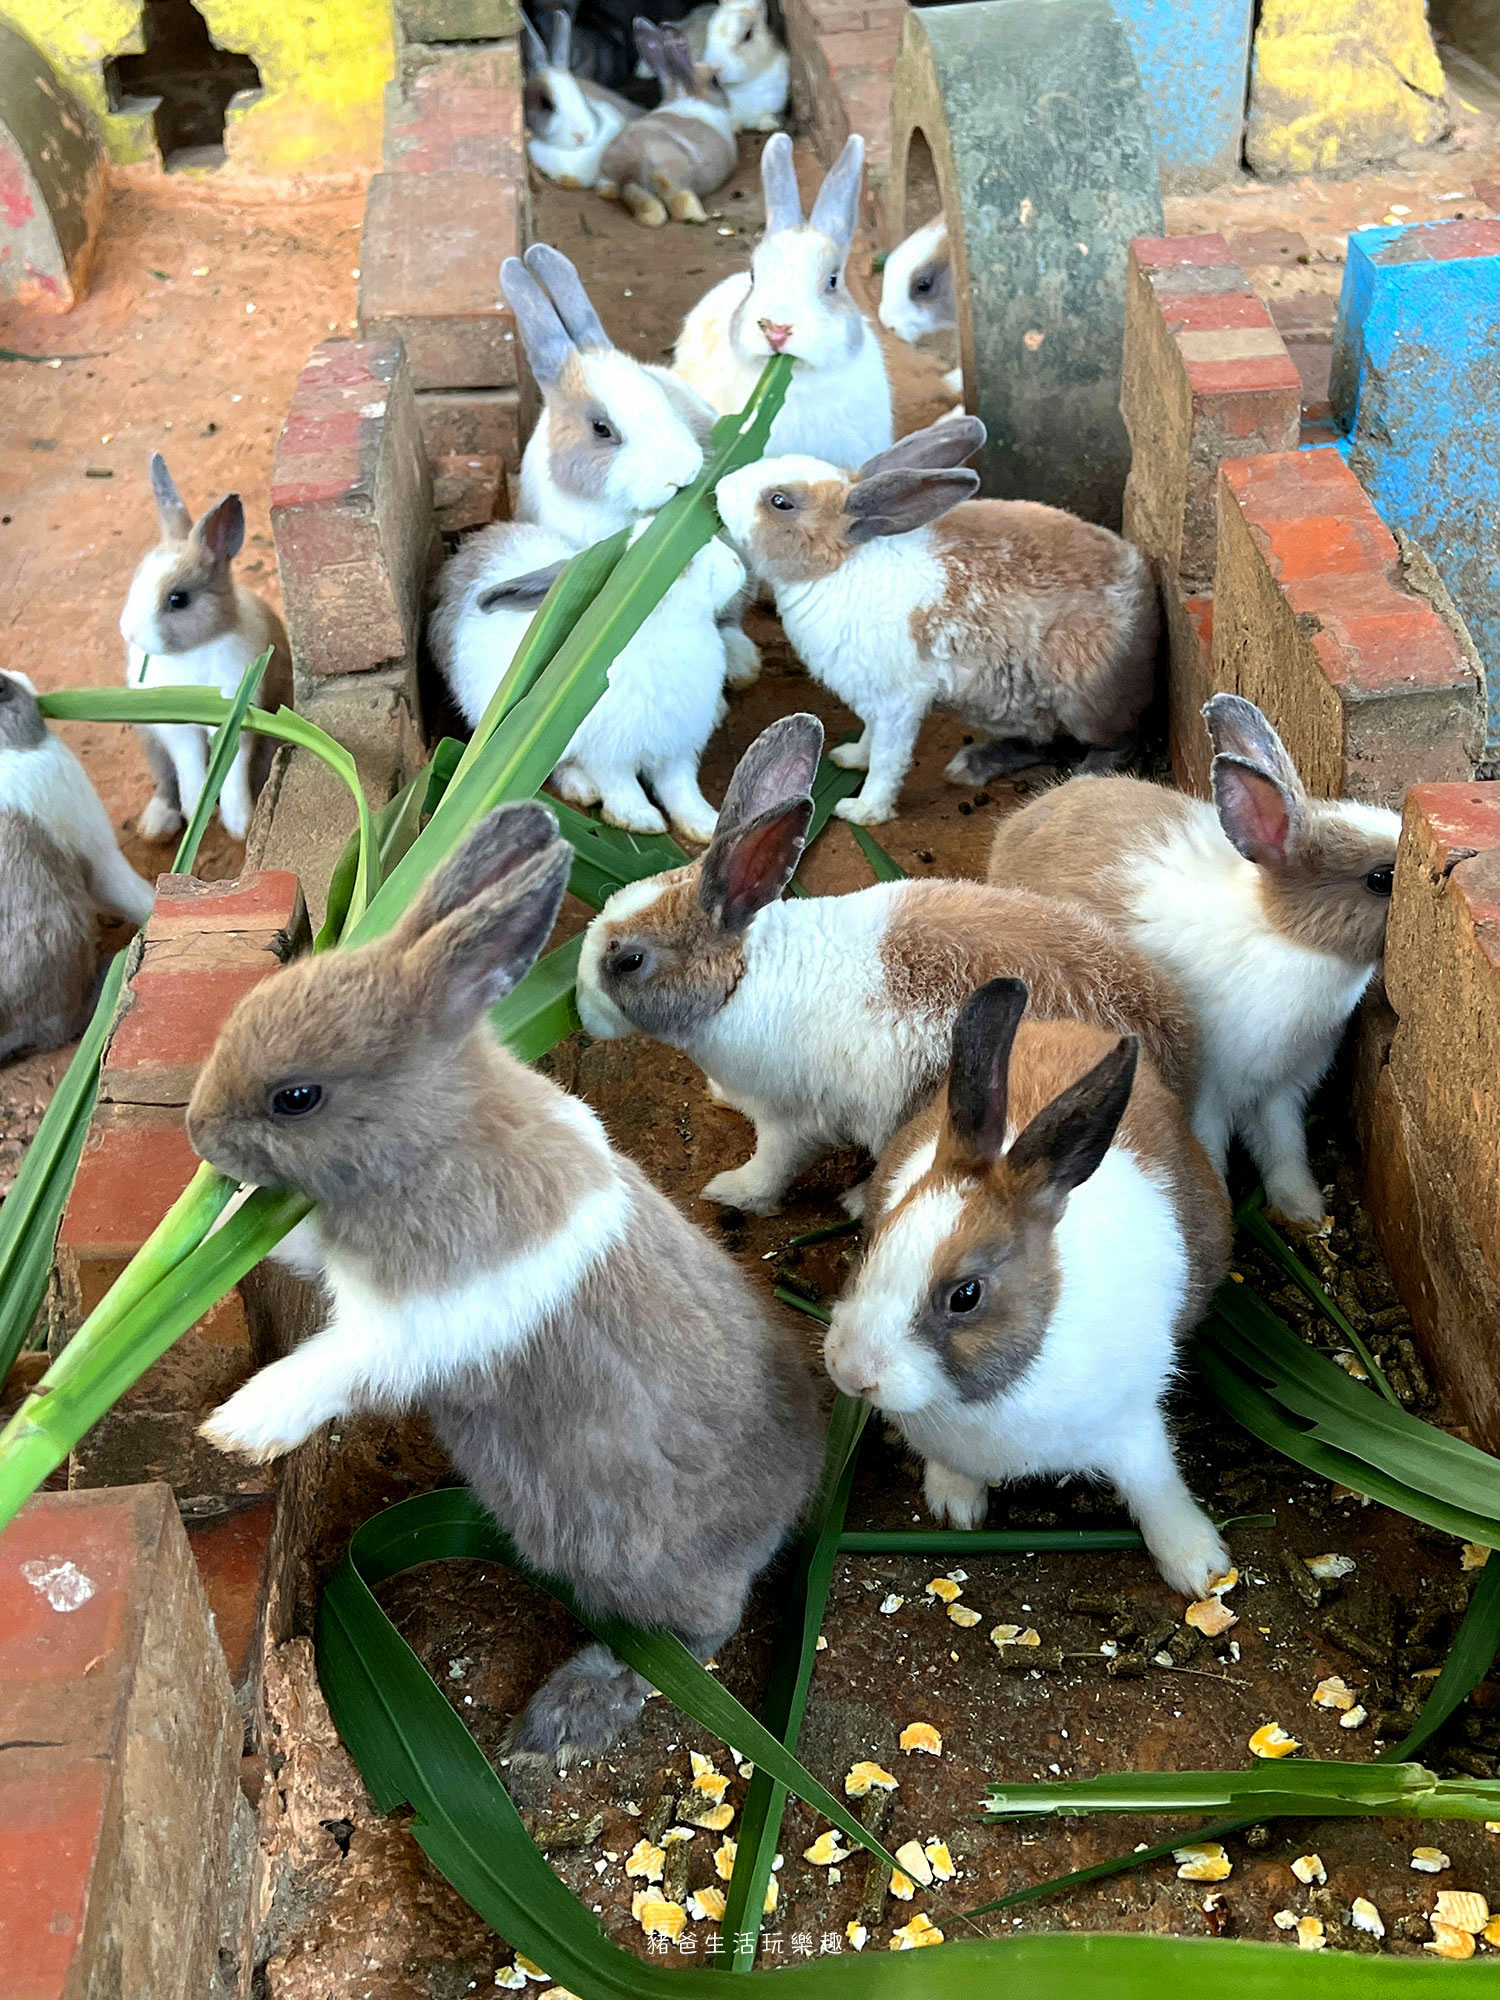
1194 61
53 181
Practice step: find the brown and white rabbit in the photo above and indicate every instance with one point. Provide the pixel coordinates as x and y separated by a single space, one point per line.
900 592
1042 1236
826 1020
187 623
1267 907
664 163
599 1371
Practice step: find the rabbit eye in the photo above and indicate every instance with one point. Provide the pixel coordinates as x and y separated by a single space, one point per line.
783 503
297 1099
748 36
544 103
922 287
833 281
603 431
1379 880
624 961
965 1298
179 600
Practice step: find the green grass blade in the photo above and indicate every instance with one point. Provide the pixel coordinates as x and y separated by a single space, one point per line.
543 1009
1254 1222
221 755
607 857
1290 1789
882 866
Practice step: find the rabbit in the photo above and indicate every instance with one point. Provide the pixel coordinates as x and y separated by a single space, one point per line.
662 165
794 300
664 696
916 291
1041 1236
599 1371
187 623
1267 907
748 63
825 1021
570 120
1026 620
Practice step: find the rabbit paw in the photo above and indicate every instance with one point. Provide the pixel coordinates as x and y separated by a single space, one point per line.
634 819
741 658
851 756
744 1190
954 1496
1295 1197
1191 1556
579 1710
860 811
852 1201
256 1423
160 821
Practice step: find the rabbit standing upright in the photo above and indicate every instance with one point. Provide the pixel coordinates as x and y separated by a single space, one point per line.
1267 907
795 300
749 64
1042 1236
664 164
900 591
570 120
187 623
599 1371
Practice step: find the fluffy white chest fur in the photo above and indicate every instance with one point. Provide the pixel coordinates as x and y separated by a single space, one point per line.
49 785
852 630
220 664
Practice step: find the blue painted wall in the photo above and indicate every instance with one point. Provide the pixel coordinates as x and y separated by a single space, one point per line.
1416 383
1194 60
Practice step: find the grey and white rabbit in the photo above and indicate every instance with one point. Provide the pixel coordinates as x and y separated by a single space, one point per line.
661 166
570 119
917 299
599 1371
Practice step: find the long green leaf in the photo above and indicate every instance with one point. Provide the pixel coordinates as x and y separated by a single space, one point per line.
221 755
1309 1790
1251 1219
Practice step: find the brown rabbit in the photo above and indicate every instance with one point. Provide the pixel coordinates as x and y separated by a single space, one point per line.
662 164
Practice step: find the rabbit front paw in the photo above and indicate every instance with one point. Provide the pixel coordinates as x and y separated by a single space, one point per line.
954 1496
1192 1556
744 1190
1295 1197
258 1422
860 811
851 756
741 658
159 821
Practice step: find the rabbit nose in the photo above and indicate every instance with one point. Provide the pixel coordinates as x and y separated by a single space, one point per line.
776 336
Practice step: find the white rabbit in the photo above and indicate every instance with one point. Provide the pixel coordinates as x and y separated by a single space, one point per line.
1043 1234
1267 907
666 162
664 697
570 119
826 1021
1029 622
751 66
916 291
795 300
187 623
601 1373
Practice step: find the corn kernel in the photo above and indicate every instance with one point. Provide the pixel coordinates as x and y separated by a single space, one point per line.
922 1736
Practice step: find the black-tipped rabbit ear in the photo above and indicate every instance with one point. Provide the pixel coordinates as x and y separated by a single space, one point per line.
679 60
1239 729
836 210
221 532
562 38
176 521
565 288
779 766
648 45
499 844
893 503
948 442
979 1081
467 963
778 178
543 335
1071 1136
521 592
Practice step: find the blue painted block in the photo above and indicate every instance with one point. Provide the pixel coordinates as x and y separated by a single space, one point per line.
1416 383
1194 60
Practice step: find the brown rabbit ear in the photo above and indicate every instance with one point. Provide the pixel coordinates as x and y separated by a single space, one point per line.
469 962
979 1080
1069 1139
893 503
747 868
503 840
1239 729
221 532
1262 817
946 443
171 510
779 766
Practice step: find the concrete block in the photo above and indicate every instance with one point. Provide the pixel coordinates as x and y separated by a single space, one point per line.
1194 61
376 716
351 508
52 181
457 110
456 20
1322 620
1433 1158
429 265
120 1774
1336 85
1416 384
1042 199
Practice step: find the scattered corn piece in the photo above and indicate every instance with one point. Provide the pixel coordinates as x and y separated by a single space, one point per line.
713 1819
1285 1920
1354 1718
902 1886
1210 1616
1491 1932
676 1833
1429 1860
922 1736
825 1850
891 1603
645 1859
1351 1364
656 1916
961 1614
773 1893
558 1993
1310 1934
711 1786
1202 1861
940 1860
1474 1555
1365 1917
1271 1740
1309 1868
529 1966
1448 1941
1329 1569
1333 1693
1465 1909
724 1855
861 1778
1492 1826
945 1588
911 1937
1015 1635
915 1862
707 1902
511 1978
1220 1584
702 1766
856 1934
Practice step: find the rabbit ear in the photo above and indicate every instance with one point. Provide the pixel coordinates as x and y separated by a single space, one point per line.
836 210
1071 1136
946 443
467 963
501 842
519 591
221 532
533 49
893 503
543 335
565 288
562 38
1239 729
1261 816
979 1081
750 865
779 766
649 46
176 521
778 178
679 61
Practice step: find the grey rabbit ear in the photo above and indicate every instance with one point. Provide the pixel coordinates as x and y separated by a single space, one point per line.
518 591
679 60
979 1080
894 503
1070 1137
502 841
221 532
946 443
1239 729
562 38
749 866
565 289
468 962
176 521
778 178
543 335
648 44
779 766
836 210
533 49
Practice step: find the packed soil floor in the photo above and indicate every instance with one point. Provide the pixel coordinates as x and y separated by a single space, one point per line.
1116 1682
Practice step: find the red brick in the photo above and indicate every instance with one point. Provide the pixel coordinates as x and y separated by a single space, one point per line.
1189 623
429 266
267 902
460 112
863 49
231 1549
456 422
352 519
1442 242
469 491
1167 253
136 1161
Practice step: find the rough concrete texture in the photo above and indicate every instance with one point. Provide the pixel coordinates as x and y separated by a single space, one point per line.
1315 620
1433 1186
1338 84
1049 197
1194 59
122 1746
1416 384
456 20
52 182
429 274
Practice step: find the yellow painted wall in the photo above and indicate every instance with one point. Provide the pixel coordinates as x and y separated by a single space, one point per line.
324 65
1335 83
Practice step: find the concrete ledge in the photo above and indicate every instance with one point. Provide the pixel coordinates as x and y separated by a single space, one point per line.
53 182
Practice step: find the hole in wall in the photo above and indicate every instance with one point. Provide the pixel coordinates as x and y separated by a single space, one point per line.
190 79
923 201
